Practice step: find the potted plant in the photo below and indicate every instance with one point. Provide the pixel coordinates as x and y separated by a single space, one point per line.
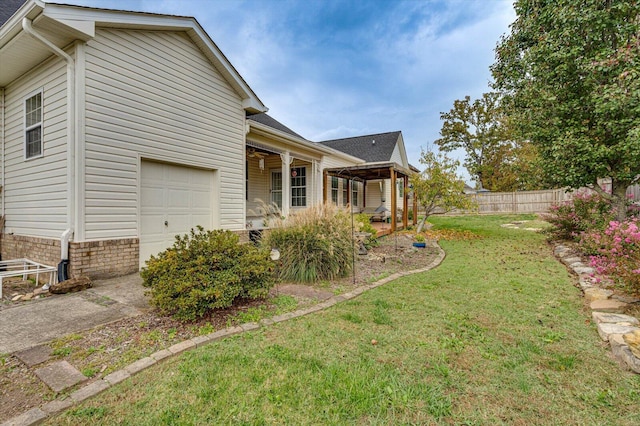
419 241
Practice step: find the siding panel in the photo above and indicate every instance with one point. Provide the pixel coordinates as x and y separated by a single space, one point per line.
35 191
154 95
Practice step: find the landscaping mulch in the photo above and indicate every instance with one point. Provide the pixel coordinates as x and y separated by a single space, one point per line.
107 348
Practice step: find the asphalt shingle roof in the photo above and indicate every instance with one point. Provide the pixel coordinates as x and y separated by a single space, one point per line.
8 8
371 148
267 120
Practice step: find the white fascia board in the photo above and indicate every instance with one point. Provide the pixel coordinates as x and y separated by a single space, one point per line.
250 100
86 29
403 151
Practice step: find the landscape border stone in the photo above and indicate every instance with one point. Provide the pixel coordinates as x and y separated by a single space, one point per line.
611 325
39 414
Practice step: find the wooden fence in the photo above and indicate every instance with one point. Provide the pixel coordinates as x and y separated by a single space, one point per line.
520 201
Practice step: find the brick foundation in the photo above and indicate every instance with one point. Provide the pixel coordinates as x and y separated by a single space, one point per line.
96 259
104 259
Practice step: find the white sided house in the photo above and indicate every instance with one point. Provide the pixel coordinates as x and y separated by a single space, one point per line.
118 131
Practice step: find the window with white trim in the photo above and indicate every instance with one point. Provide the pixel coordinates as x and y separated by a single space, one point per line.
345 191
276 188
355 186
298 187
334 190
33 126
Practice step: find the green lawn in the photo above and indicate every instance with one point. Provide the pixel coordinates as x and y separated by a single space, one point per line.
497 334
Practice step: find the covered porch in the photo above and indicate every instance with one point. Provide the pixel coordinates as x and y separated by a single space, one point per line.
386 190
279 181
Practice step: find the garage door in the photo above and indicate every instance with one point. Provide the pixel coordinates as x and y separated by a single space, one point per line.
174 199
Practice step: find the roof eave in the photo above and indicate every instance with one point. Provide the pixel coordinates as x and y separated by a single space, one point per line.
265 130
13 26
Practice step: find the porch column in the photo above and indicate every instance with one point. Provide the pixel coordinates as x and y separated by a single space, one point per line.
324 186
348 183
286 182
319 183
394 201
405 202
364 194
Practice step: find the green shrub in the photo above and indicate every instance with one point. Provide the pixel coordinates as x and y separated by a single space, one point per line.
206 270
363 224
585 212
315 244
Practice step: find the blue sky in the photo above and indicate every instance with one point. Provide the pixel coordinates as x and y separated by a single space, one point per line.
333 69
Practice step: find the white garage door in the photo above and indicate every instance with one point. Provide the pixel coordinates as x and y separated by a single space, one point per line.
174 199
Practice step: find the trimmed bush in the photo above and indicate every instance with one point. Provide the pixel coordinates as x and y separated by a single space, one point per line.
207 270
585 212
315 244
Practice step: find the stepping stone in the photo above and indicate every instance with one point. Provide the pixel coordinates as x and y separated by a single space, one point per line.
584 270
60 375
596 293
34 356
561 250
605 329
625 299
607 317
607 305
572 260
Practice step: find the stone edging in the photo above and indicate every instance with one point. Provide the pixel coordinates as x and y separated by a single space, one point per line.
613 327
39 414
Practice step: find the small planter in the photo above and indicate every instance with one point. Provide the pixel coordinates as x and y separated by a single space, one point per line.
420 244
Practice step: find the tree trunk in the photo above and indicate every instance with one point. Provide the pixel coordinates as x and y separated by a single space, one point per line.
619 200
421 224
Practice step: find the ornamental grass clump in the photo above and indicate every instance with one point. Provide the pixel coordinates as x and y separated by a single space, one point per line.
315 244
207 270
616 252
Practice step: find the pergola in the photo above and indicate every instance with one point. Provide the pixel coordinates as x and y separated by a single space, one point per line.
376 171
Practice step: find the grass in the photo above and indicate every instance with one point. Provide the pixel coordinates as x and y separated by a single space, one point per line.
496 335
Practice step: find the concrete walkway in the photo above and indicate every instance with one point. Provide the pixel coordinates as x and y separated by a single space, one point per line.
39 321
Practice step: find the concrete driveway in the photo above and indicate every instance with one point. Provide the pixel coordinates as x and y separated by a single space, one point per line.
39 321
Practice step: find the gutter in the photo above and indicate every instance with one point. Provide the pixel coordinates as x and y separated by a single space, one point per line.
71 143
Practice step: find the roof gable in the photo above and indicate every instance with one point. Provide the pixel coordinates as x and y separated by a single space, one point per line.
371 148
63 24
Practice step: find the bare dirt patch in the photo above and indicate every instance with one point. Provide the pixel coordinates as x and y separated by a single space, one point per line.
107 348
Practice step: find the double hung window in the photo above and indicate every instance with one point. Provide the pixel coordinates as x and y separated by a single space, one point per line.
33 126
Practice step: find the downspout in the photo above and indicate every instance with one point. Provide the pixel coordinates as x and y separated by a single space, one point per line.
71 145
2 135
2 126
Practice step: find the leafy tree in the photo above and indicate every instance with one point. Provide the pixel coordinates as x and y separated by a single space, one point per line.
514 166
438 189
570 73
475 127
